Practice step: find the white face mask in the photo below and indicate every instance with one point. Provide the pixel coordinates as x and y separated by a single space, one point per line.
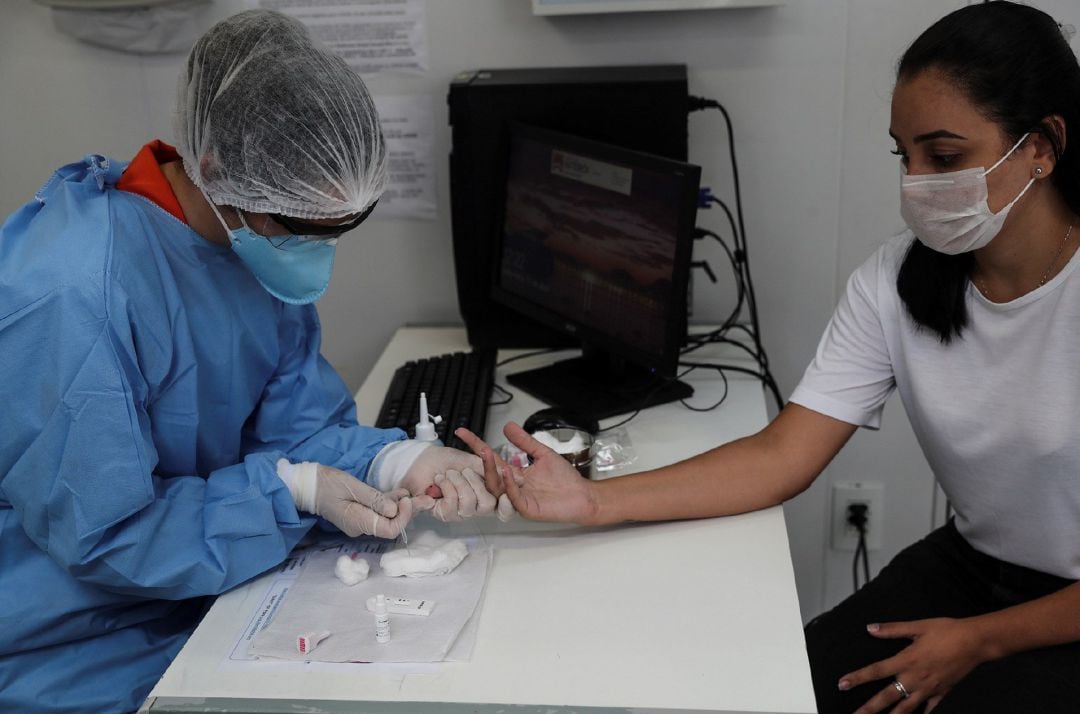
948 212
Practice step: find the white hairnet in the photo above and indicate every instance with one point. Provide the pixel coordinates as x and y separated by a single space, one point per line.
268 121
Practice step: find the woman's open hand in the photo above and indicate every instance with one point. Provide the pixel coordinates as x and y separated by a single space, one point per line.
550 489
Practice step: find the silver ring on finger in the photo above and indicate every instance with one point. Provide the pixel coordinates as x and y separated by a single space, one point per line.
899 687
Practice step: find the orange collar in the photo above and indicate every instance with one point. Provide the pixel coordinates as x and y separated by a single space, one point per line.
144 177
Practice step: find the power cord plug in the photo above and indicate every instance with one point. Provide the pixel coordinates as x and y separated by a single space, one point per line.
858 515
696 104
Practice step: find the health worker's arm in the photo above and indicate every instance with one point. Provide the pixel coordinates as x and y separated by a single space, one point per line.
80 465
306 411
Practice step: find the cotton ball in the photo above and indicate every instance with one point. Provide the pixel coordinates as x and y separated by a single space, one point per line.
351 570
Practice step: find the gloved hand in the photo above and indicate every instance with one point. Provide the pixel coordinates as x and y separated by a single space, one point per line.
505 510
348 503
460 487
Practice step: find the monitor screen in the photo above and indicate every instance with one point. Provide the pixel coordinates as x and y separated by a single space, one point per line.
595 241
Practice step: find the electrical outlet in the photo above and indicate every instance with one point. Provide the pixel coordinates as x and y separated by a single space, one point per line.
844 535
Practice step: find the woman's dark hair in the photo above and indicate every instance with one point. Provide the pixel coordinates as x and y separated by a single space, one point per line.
1015 65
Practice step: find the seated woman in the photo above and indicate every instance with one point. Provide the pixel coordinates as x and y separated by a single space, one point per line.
973 316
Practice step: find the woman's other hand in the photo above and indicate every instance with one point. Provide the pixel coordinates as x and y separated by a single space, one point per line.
943 651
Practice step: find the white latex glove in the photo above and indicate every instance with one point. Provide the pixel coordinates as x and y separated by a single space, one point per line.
457 475
351 505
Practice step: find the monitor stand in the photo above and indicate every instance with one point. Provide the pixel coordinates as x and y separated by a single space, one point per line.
597 388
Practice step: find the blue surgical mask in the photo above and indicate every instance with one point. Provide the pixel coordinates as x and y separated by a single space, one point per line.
294 269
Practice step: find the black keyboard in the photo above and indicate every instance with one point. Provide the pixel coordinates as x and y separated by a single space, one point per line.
458 387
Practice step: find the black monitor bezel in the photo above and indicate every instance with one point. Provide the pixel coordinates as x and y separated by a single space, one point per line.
664 364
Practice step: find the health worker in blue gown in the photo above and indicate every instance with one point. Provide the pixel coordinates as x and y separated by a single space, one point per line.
169 427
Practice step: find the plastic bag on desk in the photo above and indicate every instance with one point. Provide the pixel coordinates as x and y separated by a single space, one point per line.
613 450
513 455
610 450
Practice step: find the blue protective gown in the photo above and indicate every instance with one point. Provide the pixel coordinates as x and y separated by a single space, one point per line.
149 385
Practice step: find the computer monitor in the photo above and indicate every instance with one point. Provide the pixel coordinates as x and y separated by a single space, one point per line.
640 107
595 241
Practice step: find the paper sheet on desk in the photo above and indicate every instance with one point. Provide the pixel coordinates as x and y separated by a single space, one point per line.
318 601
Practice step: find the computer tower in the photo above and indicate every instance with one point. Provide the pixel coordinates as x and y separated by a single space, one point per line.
643 108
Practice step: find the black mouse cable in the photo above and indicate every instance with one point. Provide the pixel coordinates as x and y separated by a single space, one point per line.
509 396
720 401
765 377
624 422
723 340
763 373
644 401
534 353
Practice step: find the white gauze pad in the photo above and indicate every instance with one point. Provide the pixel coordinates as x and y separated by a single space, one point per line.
426 555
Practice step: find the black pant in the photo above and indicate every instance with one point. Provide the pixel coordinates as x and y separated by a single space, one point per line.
943 576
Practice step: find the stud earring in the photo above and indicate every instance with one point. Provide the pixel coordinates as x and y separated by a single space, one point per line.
1038 170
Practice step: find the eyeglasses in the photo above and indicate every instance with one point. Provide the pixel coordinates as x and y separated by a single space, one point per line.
303 228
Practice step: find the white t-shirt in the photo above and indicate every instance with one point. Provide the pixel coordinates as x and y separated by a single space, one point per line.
997 410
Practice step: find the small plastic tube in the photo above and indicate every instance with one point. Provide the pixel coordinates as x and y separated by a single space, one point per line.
382 620
425 428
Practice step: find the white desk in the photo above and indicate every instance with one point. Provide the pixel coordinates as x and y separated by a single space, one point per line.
689 616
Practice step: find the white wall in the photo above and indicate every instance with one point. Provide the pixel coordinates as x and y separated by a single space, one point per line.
869 213
807 85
